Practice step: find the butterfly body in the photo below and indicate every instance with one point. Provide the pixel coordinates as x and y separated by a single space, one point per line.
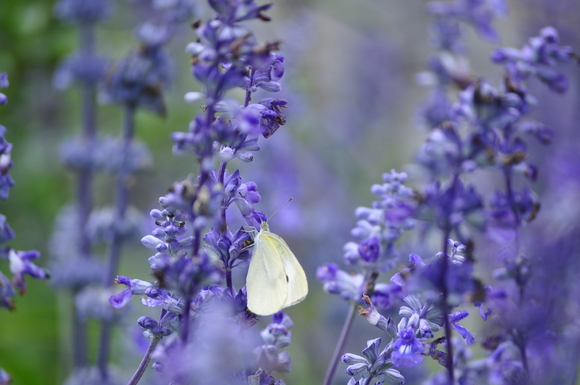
275 278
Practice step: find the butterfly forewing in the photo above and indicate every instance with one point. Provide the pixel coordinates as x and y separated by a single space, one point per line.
266 282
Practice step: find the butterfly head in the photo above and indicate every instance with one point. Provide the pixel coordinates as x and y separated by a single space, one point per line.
264 226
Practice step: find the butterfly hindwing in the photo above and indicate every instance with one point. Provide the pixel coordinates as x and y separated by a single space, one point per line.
297 283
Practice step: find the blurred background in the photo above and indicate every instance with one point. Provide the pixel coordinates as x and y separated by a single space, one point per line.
350 83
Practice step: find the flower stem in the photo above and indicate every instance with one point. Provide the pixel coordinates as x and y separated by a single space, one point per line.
121 204
84 192
445 310
144 362
340 346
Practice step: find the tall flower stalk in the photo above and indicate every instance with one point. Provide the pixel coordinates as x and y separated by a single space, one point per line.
87 69
195 250
134 82
20 262
485 128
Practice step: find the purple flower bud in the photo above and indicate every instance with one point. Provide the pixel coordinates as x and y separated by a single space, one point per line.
327 273
550 35
245 157
227 154
6 233
147 322
151 242
3 80
369 249
6 292
355 369
350 359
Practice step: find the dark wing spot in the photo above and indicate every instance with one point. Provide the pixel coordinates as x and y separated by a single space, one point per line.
287 280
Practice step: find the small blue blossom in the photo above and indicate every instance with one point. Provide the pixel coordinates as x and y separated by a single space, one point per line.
6 233
139 79
134 287
478 13
80 67
152 326
227 249
6 292
372 366
337 281
82 11
454 321
4 377
385 295
375 318
21 264
277 336
401 277
407 350
537 58
3 84
369 249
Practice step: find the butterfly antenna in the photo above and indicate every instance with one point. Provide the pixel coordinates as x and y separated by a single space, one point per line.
278 209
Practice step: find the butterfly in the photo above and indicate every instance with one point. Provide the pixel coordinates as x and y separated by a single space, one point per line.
275 278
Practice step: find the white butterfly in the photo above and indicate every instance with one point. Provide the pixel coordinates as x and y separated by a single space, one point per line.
275 278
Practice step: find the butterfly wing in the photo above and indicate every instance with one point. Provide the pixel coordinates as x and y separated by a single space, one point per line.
295 276
266 282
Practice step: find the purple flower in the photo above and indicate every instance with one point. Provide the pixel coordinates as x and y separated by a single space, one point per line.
277 337
6 292
369 249
423 318
139 79
454 321
375 318
152 326
459 278
79 67
134 287
230 249
21 264
407 350
384 295
402 276
6 233
82 11
3 84
478 13
337 281
537 58
373 364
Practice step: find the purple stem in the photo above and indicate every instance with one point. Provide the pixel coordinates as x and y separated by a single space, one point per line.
144 362
340 346
444 289
445 308
248 91
84 192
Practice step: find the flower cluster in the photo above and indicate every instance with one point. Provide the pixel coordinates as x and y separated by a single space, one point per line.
134 82
277 336
378 228
20 262
484 129
195 250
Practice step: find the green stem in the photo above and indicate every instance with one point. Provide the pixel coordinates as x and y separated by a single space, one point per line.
340 346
